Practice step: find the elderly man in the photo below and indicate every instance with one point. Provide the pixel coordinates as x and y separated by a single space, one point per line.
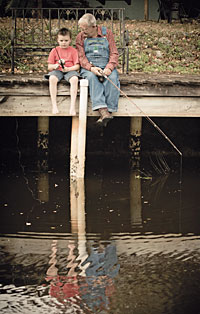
98 56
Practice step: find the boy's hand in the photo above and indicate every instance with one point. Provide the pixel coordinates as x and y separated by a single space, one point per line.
56 66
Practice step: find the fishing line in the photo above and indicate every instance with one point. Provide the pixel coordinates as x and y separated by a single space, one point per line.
145 115
21 166
166 137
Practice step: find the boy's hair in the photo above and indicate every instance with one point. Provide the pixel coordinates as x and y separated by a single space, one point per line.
64 31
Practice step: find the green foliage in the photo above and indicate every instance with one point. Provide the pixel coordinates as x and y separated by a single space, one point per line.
5 48
154 47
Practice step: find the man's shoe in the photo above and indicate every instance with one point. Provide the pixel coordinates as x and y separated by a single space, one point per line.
105 116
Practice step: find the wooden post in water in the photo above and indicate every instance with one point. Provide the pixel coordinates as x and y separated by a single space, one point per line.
135 136
82 127
43 153
43 142
74 147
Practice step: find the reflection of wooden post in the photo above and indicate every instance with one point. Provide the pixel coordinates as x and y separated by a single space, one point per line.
135 136
43 187
135 199
78 223
82 127
73 206
52 271
146 10
81 224
81 207
43 142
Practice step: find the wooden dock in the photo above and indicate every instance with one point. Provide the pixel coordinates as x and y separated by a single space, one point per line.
157 95
152 95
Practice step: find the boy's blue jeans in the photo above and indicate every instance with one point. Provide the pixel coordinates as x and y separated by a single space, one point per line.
103 95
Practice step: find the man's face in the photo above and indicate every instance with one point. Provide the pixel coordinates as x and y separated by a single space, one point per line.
89 31
64 41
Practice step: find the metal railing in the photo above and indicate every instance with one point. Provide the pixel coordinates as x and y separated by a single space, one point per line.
34 30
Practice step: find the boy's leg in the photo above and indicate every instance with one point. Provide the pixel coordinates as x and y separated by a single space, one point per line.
53 81
73 93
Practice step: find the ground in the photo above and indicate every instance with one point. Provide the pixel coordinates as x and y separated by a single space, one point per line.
153 47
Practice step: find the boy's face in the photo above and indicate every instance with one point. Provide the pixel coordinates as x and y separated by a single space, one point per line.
64 41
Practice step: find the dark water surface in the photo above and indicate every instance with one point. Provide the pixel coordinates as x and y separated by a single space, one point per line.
120 241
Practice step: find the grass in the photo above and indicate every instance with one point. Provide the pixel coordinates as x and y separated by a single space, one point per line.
153 47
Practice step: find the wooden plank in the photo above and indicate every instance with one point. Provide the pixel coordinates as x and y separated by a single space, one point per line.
129 89
152 106
32 90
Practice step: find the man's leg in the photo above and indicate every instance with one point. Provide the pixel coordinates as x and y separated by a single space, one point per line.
96 90
53 81
111 92
97 95
73 93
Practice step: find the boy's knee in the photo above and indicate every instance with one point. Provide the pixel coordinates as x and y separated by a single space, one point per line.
53 79
73 80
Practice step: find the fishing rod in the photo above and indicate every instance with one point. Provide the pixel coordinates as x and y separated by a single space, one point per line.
145 115
60 60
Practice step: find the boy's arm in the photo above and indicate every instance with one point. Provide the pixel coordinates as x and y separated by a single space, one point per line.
52 67
75 67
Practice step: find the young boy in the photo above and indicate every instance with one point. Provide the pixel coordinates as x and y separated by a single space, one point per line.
63 64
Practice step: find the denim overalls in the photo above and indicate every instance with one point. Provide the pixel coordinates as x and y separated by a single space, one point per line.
102 94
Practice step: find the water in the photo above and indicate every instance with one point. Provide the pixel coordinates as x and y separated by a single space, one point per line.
120 241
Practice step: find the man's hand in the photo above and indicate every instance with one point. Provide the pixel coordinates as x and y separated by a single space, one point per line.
107 72
97 71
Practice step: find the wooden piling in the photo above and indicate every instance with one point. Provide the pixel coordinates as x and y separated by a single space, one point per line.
82 127
135 142
43 142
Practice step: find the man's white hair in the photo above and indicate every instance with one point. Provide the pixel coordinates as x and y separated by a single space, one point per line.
88 19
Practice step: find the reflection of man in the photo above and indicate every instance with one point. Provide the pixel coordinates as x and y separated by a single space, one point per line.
98 55
91 291
99 285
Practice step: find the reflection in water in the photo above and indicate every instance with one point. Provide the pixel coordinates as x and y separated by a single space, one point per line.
135 198
86 281
120 249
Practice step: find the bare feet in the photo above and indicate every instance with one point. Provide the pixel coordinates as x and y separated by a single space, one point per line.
72 112
55 110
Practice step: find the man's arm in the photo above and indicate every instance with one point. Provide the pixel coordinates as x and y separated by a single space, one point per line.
81 53
114 55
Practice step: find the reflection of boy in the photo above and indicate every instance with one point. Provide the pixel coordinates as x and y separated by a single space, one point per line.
63 64
63 287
